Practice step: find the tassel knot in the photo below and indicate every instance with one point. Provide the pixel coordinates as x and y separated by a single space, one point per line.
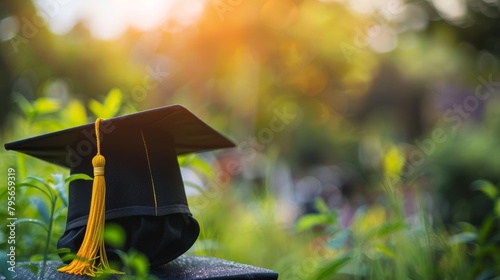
98 162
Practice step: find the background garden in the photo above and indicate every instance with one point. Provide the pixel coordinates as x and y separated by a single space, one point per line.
367 132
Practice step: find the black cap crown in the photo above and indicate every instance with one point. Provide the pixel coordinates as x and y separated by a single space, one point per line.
145 192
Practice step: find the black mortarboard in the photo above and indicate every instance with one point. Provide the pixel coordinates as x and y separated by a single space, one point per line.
145 193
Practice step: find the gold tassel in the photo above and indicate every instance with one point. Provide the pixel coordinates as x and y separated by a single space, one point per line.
92 250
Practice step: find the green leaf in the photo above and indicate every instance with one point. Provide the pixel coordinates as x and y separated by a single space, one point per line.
74 113
68 257
393 162
48 194
486 187
97 108
31 267
184 159
32 221
387 229
41 208
61 251
197 163
486 228
44 106
59 212
310 221
38 181
4 193
65 254
140 264
77 176
197 187
497 207
60 187
114 235
113 102
36 258
123 256
331 268
110 107
321 206
385 250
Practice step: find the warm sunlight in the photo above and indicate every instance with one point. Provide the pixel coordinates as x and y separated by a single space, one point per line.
315 139
109 19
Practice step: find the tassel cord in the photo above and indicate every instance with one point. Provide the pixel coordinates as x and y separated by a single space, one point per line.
93 249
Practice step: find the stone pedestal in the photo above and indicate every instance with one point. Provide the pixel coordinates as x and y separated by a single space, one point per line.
185 267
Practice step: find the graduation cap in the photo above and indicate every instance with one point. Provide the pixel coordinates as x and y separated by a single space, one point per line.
141 188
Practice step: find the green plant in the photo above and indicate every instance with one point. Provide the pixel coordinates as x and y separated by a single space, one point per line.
42 199
484 241
109 107
383 243
133 264
53 189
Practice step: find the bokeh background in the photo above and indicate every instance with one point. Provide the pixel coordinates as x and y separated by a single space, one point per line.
366 131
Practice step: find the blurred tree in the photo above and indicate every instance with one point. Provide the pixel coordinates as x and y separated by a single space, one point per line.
306 80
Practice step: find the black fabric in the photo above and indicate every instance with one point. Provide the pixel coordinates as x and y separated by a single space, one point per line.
183 268
144 180
144 195
161 239
190 134
144 189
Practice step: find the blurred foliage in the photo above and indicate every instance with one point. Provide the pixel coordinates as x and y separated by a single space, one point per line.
133 265
366 131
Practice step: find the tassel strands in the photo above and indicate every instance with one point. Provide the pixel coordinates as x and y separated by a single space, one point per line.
91 258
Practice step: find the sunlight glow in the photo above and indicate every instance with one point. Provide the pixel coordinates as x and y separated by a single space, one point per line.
451 10
109 19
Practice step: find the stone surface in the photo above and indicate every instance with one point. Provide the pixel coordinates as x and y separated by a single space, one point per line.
185 267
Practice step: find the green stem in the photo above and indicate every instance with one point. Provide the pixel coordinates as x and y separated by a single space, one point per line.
49 234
